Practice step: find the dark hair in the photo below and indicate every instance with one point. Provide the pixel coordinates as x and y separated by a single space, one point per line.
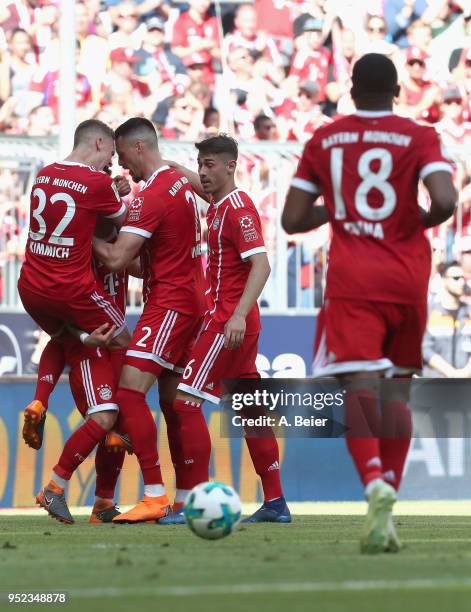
222 144
374 74
90 126
139 127
259 119
19 30
446 265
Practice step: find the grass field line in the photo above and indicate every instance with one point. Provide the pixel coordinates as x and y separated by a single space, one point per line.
283 587
457 507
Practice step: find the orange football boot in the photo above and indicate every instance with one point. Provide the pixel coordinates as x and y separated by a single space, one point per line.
103 511
33 428
148 510
118 443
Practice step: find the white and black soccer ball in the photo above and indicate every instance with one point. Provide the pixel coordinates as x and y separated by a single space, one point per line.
212 510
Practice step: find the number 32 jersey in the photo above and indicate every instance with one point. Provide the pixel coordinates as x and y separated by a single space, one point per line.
367 167
66 199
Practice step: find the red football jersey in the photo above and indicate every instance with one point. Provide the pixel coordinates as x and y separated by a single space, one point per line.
115 284
66 199
186 32
165 212
234 234
367 167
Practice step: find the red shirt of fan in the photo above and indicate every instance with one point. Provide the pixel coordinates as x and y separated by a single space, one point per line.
187 31
166 214
310 65
234 234
66 199
367 167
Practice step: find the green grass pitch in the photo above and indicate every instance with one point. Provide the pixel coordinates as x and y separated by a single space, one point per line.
312 564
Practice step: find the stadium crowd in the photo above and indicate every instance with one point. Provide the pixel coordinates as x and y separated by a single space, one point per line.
269 70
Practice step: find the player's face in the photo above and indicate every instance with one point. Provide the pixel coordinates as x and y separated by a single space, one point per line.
128 158
106 153
454 281
214 172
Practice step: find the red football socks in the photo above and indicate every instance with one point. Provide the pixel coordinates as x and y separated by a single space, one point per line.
266 460
182 475
195 443
395 440
361 420
108 467
78 447
50 368
137 421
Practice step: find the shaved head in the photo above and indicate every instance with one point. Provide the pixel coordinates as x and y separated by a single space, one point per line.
138 129
90 130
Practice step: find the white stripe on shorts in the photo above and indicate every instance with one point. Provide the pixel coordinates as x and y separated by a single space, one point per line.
159 349
208 361
110 310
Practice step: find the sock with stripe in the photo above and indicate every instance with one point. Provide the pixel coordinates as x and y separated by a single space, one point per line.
108 467
137 421
395 440
78 447
361 420
195 443
266 460
51 365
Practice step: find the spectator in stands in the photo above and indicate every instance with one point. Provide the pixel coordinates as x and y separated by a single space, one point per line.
312 60
211 123
265 128
447 340
42 122
399 15
377 39
184 119
17 70
453 128
418 97
419 34
129 32
196 31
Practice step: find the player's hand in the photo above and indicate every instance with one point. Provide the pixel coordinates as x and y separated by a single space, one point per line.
122 184
101 336
234 332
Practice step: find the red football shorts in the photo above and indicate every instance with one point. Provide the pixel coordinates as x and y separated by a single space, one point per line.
162 339
87 312
91 380
210 363
367 336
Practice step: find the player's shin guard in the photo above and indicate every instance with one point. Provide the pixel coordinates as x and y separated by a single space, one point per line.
362 425
195 443
78 447
395 440
139 424
50 368
108 467
266 460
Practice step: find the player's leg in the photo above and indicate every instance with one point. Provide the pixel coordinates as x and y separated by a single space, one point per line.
263 448
101 416
51 365
350 342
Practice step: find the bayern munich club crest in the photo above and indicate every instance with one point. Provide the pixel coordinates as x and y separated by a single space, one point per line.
135 209
105 392
216 223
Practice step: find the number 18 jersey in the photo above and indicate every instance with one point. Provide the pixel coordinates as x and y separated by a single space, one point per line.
367 167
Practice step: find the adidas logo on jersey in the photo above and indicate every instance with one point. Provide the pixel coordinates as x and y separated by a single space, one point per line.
274 466
210 386
47 378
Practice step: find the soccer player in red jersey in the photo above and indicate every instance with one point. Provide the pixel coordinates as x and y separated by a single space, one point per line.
367 167
57 284
227 345
163 226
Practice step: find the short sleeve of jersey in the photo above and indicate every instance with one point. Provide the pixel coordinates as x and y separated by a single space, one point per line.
143 216
246 227
306 177
432 154
107 200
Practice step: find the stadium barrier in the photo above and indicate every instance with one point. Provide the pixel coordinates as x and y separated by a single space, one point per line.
317 469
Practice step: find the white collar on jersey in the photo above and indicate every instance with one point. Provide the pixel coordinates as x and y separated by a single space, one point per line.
72 163
378 113
216 204
152 176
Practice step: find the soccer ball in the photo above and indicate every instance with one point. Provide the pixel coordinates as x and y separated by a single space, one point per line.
212 510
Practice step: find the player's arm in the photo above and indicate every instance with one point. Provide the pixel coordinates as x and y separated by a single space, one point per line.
192 177
433 359
101 336
234 329
118 255
134 268
299 214
443 197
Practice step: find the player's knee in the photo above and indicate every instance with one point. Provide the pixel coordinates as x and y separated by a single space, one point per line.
106 418
192 400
